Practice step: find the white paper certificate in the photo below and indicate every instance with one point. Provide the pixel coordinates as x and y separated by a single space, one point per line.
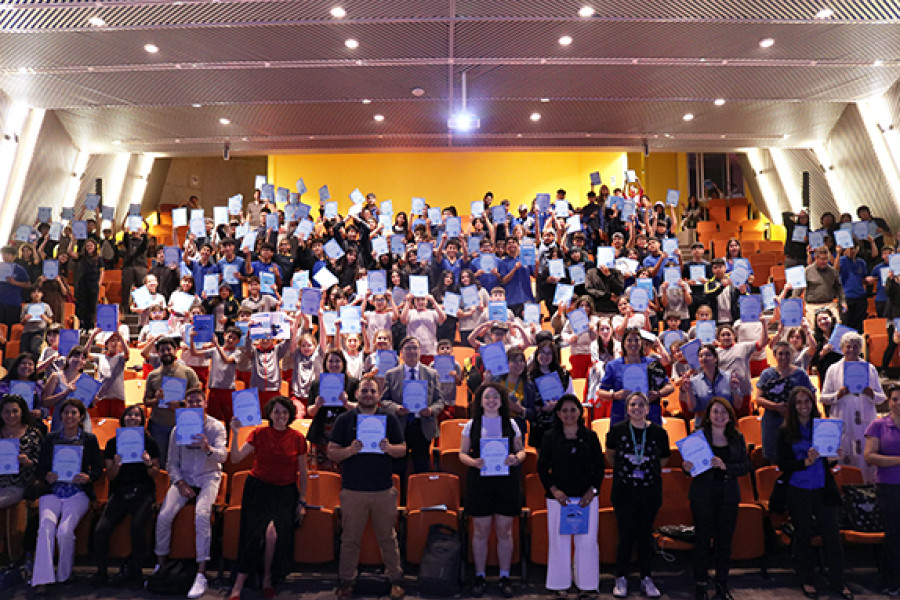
827 436
9 456
370 430
695 449
130 444
494 452
67 462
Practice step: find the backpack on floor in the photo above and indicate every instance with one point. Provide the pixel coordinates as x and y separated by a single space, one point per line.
173 578
861 511
439 571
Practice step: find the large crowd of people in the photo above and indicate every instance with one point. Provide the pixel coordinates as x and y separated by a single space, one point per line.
566 314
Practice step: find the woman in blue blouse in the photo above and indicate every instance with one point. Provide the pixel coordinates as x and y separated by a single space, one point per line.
775 385
612 385
811 492
704 385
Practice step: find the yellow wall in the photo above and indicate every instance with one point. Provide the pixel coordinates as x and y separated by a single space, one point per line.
446 178
660 172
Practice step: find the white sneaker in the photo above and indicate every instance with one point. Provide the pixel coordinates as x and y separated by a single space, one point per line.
199 587
621 588
649 588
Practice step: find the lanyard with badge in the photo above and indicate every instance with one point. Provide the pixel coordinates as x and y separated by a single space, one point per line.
638 457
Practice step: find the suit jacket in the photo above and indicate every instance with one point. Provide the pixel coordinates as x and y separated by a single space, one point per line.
392 397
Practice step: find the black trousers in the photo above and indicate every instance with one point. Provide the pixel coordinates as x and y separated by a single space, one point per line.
132 277
418 447
810 513
891 349
86 294
856 313
714 522
261 504
636 510
140 506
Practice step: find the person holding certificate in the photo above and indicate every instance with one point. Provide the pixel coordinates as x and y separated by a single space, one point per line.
540 413
638 449
36 316
271 504
883 452
324 414
580 341
132 462
149 298
18 426
811 493
89 267
69 464
853 391
21 374
715 494
612 388
493 497
195 470
774 386
447 329
570 465
702 386
62 384
825 354
422 323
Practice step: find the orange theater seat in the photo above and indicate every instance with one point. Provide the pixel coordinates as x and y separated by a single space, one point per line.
431 498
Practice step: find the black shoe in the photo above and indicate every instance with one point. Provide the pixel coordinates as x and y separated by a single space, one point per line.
506 588
845 593
477 590
127 578
96 580
810 591
700 591
722 593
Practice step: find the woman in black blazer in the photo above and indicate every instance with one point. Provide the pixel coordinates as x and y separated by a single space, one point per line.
715 495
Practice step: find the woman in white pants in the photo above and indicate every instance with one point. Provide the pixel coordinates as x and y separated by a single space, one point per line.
570 466
69 488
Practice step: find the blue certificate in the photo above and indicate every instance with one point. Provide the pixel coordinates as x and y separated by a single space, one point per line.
739 275
282 194
331 210
634 378
672 197
108 317
198 227
418 205
68 339
792 312
579 321
380 245
171 255
542 202
290 296
434 215
130 444
561 208
377 282
370 430
836 334
690 350
267 192
387 207
9 456
800 233
672 275
204 327
325 196
301 186
188 425
453 227
310 300
141 297
494 358
816 239
532 313
550 387
79 230
415 395
45 214
331 386
350 322
861 230
494 452
477 208
528 255
67 461
24 388
267 283
576 274
329 321
236 204
35 311
333 250
424 251
304 228
574 518
696 450
843 238
398 245
160 327
473 243
639 299
563 293
418 285
894 264
488 262
51 269
751 307
796 276
767 292
557 268
595 178
497 311
86 388
245 404
451 303
706 331
211 284
827 436
387 360
68 213
173 390
628 209
856 376
669 246
444 364
470 296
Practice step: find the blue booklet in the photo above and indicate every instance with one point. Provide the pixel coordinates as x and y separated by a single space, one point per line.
370 430
86 388
67 461
188 425
444 364
9 456
173 388
245 406
415 395
130 444
68 339
493 356
827 436
24 388
751 307
494 452
331 386
792 312
204 327
573 518
634 378
836 334
387 360
108 317
550 387
856 376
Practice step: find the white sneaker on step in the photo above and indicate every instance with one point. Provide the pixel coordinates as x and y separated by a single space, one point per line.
199 587
620 590
649 588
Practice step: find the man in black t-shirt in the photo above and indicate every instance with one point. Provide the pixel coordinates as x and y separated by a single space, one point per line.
367 487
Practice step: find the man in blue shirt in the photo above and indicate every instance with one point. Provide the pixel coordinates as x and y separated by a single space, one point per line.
516 278
487 278
13 279
201 268
264 265
231 261
853 272
656 259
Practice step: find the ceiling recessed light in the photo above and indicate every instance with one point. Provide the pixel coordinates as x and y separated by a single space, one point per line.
196 105
96 22
825 13
116 142
151 48
688 117
366 101
878 63
225 121
766 43
545 99
565 40
417 91
586 11
338 13
722 136
535 116
719 101
23 70
351 43
786 136
177 141
379 118
244 139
